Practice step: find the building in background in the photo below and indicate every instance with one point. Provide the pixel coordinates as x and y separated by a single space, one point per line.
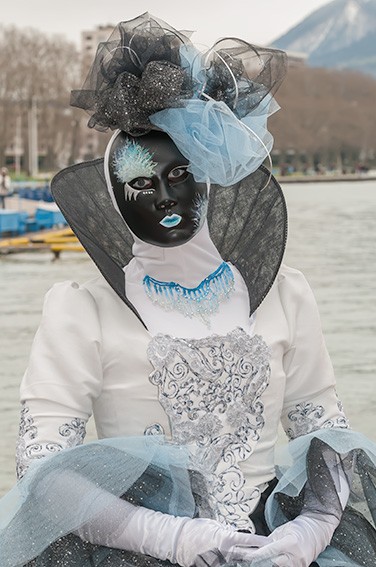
92 141
91 39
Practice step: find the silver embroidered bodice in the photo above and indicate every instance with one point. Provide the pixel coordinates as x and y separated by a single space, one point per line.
211 391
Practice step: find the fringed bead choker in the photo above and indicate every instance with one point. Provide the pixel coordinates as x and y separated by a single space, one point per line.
201 301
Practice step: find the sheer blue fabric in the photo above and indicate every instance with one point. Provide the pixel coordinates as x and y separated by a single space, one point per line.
60 493
221 148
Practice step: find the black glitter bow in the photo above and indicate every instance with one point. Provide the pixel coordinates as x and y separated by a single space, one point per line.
135 73
131 100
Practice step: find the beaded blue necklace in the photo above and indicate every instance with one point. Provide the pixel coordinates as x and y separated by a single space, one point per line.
201 301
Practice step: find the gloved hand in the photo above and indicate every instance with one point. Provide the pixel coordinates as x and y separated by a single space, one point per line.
182 540
297 543
179 539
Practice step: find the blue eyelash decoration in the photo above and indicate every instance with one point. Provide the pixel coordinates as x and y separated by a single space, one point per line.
131 161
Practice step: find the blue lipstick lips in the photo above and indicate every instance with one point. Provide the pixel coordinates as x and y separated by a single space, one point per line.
170 221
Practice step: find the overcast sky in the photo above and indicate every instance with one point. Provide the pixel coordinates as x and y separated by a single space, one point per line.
257 21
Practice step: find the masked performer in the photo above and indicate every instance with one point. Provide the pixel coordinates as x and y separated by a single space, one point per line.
191 347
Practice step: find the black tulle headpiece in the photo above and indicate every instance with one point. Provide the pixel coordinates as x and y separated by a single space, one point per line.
214 105
147 66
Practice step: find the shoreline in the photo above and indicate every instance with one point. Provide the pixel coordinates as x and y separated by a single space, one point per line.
348 177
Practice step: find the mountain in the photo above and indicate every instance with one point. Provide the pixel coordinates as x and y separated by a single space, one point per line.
341 34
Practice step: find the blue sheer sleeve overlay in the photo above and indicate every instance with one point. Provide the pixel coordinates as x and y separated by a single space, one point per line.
62 492
314 460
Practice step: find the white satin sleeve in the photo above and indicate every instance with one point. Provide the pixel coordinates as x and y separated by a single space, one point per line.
310 399
64 375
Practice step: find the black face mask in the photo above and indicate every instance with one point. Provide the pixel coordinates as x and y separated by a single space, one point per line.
157 197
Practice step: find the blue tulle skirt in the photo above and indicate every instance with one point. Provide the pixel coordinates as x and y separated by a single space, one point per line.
63 492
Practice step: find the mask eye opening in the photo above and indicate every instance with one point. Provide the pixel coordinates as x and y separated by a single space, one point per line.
141 183
178 174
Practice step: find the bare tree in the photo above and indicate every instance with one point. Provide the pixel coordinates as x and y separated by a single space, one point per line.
327 115
34 66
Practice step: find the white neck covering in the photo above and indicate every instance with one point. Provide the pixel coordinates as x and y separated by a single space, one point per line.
187 265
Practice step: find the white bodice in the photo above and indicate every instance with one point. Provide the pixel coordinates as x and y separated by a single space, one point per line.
224 396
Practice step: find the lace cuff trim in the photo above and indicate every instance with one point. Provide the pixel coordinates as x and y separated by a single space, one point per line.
307 417
70 434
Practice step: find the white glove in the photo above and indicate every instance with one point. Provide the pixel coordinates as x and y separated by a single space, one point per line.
117 523
297 543
180 540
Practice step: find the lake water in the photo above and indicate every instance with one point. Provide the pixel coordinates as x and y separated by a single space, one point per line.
331 239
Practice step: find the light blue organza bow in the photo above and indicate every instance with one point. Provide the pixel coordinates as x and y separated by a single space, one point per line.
221 148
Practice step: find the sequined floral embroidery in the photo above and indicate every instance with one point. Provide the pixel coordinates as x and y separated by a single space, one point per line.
211 391
74 432
306 417
28 447
155 429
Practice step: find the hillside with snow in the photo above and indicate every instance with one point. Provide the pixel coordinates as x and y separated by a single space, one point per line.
341 34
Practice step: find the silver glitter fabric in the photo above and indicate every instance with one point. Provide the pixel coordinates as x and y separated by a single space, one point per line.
129 102
211 390
71 551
